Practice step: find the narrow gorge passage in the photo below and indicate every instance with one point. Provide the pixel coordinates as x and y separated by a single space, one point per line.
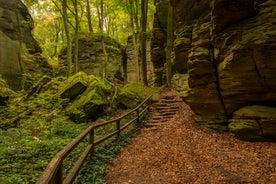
179 151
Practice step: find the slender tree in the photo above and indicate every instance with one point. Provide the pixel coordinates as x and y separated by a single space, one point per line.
133 14
144 11
57 33
88 15
68 37
76 42
100 10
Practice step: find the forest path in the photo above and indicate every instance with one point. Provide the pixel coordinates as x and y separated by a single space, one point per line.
180 152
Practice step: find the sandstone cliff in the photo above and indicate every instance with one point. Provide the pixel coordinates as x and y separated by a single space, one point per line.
17 43
228 48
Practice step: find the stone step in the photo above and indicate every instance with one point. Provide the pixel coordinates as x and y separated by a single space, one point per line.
167 110
160 105
159 120
160 117
172 107
154 128
155 124
169 97
170 101
167 113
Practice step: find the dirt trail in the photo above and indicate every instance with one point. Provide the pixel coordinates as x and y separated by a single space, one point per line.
181 152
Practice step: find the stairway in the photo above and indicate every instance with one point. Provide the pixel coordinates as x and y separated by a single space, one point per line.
163 111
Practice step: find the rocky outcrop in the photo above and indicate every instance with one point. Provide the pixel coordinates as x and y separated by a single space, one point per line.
17 44
158 55
92 59
229 48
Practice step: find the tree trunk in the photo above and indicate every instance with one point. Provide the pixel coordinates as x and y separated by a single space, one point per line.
88 15
144 10
124 63
68 37
133 12
100 15
58 30
169 44
76 49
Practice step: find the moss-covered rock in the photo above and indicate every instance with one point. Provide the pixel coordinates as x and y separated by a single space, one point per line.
90 104
134 93
245 129
74 86
254 122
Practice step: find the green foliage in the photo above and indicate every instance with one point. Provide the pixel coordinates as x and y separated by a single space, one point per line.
95 168
25 153
42 129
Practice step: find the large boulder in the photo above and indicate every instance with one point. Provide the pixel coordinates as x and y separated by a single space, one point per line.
74 86
89 100
18 45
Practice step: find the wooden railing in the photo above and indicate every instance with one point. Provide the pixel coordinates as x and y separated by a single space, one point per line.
53 173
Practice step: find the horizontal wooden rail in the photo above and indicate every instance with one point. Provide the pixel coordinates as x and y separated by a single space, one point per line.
53 173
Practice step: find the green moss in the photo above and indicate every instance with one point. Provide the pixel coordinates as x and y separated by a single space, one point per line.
134 93
256 112
74 86
245 129
90 104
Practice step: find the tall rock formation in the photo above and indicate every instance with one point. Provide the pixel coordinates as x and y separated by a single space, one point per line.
17 44
229 49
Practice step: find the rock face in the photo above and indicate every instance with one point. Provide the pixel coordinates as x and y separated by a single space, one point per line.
17 43
229 48
91 57
158 55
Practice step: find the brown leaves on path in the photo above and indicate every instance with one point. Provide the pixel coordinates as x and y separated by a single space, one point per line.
182 152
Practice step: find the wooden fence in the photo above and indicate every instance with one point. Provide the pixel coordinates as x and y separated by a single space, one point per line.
53 173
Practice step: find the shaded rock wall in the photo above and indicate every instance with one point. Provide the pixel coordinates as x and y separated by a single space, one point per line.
91 57
228 47
16 24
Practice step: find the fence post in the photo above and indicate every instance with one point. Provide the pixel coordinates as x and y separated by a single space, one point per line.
91 139
138 116
118 126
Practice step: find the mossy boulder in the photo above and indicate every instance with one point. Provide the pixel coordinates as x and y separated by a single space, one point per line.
245 129
74 86
90 104
254 123
133 94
